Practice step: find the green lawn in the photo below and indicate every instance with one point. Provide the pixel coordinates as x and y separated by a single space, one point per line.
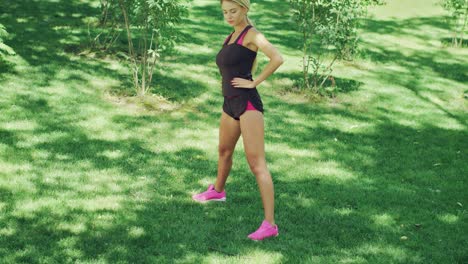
376 175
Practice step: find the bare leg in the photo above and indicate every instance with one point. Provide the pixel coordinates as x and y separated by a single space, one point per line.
252 129
229 132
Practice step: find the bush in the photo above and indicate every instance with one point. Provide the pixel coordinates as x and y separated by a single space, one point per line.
329 30
150 30
458 17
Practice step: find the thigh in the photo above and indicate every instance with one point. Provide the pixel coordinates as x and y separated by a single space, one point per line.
229 132
252 129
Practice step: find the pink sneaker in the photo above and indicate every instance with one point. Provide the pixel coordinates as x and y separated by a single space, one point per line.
210 195
264 231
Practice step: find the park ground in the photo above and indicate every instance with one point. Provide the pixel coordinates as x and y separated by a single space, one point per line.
89 174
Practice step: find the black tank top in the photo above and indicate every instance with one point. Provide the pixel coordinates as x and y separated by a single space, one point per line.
235 60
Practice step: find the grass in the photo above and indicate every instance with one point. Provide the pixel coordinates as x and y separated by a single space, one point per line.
376 175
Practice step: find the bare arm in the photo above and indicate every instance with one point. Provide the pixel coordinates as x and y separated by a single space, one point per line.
275 61
272 53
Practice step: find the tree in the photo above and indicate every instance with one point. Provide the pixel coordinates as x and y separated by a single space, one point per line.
458 17
152 22
108 26
329 30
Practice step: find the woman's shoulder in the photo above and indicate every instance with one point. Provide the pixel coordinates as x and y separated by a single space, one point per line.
253 33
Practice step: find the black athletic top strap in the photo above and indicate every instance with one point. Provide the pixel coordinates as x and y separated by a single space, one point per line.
228 39
238 37
243 32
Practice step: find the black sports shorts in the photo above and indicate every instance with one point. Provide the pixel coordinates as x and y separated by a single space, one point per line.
236 105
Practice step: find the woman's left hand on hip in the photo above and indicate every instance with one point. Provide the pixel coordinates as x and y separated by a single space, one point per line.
242 83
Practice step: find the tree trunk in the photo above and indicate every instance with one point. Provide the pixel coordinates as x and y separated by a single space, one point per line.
305 62
464 23
130 45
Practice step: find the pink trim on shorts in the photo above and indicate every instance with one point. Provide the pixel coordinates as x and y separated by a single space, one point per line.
250 106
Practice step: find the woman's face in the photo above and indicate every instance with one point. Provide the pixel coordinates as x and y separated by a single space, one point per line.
234 14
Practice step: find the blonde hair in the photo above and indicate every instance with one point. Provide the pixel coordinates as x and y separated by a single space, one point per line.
242 3
245 4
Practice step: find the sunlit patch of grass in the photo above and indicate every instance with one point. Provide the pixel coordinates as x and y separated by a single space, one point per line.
344 211
448 218
76 227
253 256
136 232
7 231
401 9
331 171
395 253
17 180
292 153
384 220
27 208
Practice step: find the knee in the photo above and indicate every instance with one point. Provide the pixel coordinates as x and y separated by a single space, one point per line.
257 164
225 152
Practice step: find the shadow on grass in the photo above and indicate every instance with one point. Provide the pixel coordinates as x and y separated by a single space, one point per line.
6 67
141 211
454 71
42 38
335 85
133 205
33 26
449 42
414 80
405 27
76 197
42 34
7 137
418 64
177 89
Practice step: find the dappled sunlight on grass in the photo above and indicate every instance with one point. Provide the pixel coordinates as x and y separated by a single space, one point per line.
330 170
89 174
384 220
344 211
402 9
20 125
249 257
375 251
291 153
448 218
13 178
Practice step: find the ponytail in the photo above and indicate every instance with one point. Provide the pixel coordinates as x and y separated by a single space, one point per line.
249 21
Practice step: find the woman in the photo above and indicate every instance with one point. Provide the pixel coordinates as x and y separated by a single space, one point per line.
243 109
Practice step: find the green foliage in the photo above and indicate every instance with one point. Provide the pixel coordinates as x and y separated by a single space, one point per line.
4 49
458 10
158 17
150 27
329 28
456 7
155 21
108 26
